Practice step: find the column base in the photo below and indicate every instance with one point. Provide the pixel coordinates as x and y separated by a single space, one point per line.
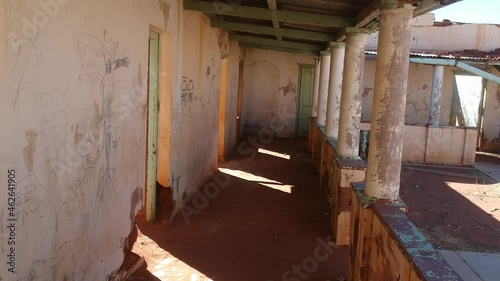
345 172
312 124
328 154
318 135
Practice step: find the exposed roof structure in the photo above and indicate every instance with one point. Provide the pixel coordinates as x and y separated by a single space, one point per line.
465 55
298 26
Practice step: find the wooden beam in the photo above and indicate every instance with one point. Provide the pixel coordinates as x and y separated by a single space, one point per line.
351 30
367 15
458 64
273 6
266 14
364 19
277 43
284 32
278 49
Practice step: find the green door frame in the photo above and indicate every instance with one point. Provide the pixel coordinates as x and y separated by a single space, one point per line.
152 126
299 96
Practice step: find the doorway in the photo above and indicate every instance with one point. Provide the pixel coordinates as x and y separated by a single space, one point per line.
152 126
222 108
468 91
304 100
240 100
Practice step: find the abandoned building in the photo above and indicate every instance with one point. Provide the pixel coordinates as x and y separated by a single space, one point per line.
241 138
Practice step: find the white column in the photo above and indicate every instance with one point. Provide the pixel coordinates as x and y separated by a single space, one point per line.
350 105
437 92
389 102
323 87
317 71
335 89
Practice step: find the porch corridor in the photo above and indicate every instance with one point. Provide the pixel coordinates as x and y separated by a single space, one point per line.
250 231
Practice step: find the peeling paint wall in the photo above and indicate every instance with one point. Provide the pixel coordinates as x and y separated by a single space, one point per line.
73 80
480 37
417 97
195 107
491 128
270 91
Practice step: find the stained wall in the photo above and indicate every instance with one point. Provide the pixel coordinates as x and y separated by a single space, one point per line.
270 92
74 86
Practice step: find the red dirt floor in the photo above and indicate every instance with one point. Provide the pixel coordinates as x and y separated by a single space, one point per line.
252 230
457 208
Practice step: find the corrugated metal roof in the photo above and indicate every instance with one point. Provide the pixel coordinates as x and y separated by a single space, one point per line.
470 55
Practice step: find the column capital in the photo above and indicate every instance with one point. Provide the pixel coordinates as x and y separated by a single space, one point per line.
316 58
395 4
325 53
337 45
354 31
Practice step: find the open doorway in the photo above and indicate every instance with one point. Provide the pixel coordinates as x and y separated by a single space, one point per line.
152 126
468 92
240 100
304 100
158 199
222 108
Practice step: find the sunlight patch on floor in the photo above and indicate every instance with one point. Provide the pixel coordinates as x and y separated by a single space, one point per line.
274 153
258 179
164 265
485 197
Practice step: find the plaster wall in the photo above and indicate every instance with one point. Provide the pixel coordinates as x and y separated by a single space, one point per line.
482 37
417 97
77 128
490 138
457 37
195 111
270 91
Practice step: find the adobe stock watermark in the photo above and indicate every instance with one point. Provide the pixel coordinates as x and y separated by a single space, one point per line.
219 181
310 264
31 25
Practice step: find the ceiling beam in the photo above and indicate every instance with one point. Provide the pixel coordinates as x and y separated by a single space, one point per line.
277 43
278 49
220 8
284 32
367 15
367 18
273 6
458 64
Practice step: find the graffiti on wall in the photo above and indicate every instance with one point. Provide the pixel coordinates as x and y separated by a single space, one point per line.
417 105
187 90
100 60
22 41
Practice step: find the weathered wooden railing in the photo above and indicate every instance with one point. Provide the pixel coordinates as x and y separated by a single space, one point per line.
385 245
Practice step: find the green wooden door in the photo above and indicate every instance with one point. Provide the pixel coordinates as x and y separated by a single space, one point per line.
152 127
304 101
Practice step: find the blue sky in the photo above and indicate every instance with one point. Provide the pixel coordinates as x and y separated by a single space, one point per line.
471 11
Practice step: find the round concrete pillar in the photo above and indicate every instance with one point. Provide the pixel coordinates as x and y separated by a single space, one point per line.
323 87
350 105
317 71
389 102
334 89
437 92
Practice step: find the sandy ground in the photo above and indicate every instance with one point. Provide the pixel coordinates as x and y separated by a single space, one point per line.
266 224
456 208
270 219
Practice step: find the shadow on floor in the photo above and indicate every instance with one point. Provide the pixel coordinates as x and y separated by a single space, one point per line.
269 223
